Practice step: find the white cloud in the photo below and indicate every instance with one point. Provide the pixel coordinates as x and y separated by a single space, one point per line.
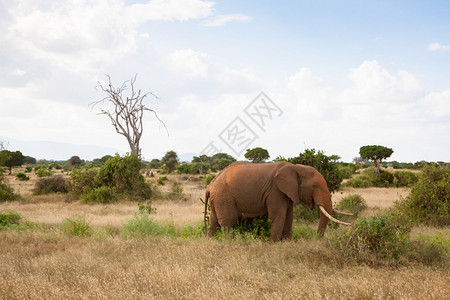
374 84
179 10
192 63
80 35
221 20
438 47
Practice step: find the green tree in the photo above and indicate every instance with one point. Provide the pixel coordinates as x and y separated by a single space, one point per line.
155 163
257 155
375 153
11 159
322 163
204 161
29 160
220 161
170 160
100 161
75 161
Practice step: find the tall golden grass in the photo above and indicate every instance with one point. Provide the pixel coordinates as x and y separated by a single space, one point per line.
52 266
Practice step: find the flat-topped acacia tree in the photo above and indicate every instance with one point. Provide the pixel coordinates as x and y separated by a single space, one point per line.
127 112
375 153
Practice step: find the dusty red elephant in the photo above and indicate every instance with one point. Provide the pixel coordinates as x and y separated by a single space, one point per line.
253 190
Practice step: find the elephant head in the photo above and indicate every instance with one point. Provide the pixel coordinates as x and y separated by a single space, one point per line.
305 184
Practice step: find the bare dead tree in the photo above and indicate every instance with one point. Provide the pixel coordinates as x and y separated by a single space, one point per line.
127 113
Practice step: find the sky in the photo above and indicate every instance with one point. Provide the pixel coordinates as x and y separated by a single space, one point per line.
230 75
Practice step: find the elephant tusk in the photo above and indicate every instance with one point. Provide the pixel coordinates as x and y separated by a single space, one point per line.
342 213
322 209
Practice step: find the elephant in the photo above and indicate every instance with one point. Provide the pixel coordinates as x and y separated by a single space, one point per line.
255 189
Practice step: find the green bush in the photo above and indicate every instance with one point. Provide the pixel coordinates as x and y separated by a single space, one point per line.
374 239
82 180
43 172
258 227
368 179
103 194
142 225
189 168
353 204
405 178
429 200
118 177
361 181
122 173
77 226
209 178
51 184
28 169
431 250
7 192
162 180
304 214
22 177
9 218
347 169
384 179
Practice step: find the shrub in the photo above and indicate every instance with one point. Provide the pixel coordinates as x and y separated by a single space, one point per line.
258 227
368 179
384 179
347 169
77 226
209 178
118 177
405 178
82 180
42 172
429 200
7 192
361 181
142 225
162 180
28 169
122 173
302 213
352 203
9 218
189 168
101 194
430 250
380 237
51 184
176 191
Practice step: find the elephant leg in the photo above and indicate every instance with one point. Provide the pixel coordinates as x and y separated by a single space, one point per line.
227 213
213 222
277 216
287 230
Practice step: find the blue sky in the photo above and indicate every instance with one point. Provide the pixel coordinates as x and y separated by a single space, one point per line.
343 73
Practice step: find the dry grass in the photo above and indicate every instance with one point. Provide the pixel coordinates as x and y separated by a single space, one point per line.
50 265
375 197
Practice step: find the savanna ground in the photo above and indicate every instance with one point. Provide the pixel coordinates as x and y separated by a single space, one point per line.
47 263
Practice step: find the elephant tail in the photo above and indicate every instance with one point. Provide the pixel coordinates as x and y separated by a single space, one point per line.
205 225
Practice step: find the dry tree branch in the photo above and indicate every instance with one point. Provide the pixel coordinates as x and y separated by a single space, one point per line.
128 112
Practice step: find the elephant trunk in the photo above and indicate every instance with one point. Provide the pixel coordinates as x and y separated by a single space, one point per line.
323 201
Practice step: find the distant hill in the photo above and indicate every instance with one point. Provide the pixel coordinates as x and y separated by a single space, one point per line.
57 151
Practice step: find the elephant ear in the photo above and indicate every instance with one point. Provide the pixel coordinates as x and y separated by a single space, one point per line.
287 181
